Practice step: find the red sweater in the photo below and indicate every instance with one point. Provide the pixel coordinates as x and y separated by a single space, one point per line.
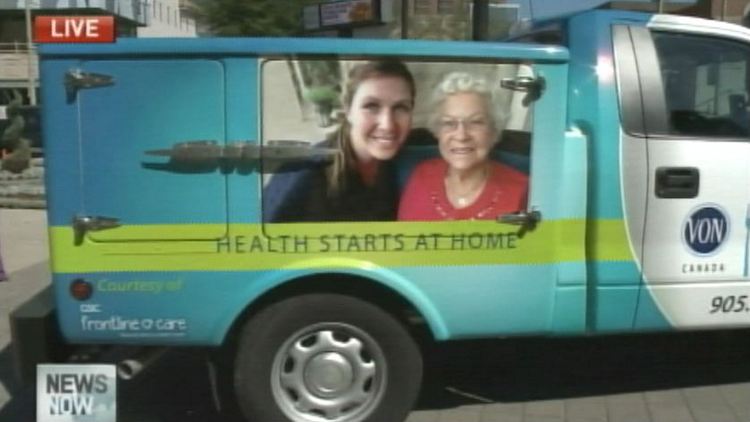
425 199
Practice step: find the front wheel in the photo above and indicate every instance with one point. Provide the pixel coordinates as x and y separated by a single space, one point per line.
326 358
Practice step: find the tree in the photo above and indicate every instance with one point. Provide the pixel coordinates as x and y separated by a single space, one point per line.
274 18
12 139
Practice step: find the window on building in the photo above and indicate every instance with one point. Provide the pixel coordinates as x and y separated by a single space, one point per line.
425 7
431 7
501 17
446 7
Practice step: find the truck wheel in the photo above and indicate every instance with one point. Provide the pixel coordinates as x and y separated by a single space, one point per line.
326 358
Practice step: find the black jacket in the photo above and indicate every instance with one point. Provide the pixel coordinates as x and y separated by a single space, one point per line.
301 195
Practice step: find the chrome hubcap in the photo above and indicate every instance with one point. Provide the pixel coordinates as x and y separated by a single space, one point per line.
328 373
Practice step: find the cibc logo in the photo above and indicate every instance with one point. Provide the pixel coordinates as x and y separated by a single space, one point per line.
705 229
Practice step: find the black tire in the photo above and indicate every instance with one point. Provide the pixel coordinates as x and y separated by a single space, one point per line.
353 363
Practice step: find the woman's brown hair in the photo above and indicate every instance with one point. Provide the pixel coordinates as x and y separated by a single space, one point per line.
345 160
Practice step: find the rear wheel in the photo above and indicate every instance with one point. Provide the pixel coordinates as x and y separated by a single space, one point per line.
326 358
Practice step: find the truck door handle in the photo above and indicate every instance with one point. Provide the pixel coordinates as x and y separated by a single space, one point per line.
677 182
521 218
84 223
526 219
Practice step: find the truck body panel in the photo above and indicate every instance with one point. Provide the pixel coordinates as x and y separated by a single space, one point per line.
191 251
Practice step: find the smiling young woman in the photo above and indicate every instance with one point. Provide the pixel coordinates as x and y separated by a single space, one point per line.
360 184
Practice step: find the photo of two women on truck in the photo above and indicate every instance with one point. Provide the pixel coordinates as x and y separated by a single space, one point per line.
366 179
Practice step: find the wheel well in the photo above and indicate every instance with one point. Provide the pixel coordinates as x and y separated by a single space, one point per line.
350 285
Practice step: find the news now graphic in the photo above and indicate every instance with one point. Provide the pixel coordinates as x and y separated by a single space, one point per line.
66 29
76 393
705 230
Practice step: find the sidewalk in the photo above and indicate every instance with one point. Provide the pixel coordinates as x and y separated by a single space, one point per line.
23 190
23 239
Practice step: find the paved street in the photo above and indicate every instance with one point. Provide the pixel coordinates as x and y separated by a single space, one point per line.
657 378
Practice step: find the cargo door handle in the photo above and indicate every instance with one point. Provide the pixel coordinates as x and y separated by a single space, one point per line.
83 224
677 182
526 219
533 86
77 79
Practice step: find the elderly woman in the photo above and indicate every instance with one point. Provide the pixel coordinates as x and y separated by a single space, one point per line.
465 183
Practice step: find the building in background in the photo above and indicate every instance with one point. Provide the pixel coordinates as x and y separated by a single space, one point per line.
166 18
734 11
18 60
481 19
414 19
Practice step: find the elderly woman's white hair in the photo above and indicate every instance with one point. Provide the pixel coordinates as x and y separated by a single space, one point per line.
464 82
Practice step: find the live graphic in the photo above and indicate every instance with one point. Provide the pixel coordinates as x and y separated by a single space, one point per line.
76 393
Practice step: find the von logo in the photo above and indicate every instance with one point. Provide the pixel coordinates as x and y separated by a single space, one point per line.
76 393
705 230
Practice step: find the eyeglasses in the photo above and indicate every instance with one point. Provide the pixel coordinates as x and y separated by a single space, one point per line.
471 124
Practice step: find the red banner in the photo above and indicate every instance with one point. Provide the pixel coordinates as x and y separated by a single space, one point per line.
69 29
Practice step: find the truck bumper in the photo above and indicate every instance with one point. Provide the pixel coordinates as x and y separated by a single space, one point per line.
35 335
